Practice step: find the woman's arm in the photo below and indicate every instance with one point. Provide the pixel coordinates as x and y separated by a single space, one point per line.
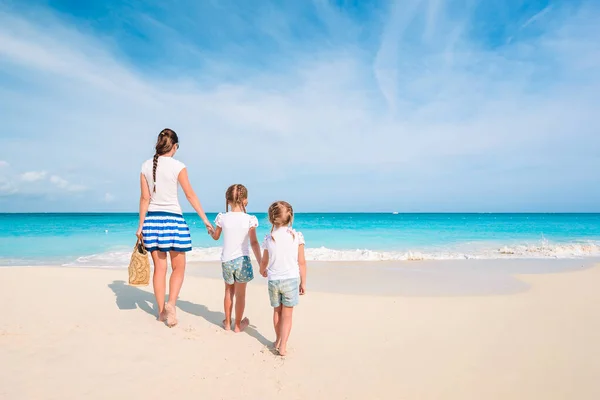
264 263
184 181
144 202
255 245
302 265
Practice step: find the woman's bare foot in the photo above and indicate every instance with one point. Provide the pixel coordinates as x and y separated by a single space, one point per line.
277 343
162 316
282 351
171 315
242 325
226 325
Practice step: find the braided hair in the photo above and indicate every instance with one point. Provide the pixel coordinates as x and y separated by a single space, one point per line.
236 195
167 138
281 214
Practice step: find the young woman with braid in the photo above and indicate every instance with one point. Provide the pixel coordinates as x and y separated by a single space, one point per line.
284 264
239 232
162 227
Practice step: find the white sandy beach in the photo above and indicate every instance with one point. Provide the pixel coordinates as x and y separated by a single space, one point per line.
71 333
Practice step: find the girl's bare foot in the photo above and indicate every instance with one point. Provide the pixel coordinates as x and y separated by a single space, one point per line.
162 316
277 343
242 325
282 351
171 315
226 325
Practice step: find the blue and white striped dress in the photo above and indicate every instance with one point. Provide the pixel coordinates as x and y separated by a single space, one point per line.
166 231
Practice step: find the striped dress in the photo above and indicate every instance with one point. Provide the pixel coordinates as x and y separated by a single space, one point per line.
166 231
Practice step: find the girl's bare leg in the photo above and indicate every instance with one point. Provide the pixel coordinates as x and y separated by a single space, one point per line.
241 323
159 280
285 327
276 320
228 305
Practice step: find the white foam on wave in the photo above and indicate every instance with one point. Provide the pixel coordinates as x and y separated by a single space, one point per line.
543 249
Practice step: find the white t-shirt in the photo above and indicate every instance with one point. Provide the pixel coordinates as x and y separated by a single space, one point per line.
236 238
167 175
283 253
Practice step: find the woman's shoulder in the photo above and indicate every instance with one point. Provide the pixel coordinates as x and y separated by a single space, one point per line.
175 163
147 164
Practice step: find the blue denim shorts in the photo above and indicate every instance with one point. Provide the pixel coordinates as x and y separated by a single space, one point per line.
237 270
284 291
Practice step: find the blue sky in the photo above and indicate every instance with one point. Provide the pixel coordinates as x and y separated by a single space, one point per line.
416 105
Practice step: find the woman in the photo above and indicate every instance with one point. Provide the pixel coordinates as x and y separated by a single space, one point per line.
162 226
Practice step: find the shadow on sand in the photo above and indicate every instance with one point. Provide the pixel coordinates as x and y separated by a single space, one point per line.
131 297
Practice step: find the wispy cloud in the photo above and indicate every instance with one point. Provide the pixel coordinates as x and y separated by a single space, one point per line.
33 176
65 184
34 185
3 164
406 102
109 198
58 181
7 187
537 16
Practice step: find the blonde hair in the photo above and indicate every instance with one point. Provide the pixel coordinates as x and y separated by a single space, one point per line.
235 195
281 214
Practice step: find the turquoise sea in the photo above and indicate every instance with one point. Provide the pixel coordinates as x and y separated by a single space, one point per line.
106 240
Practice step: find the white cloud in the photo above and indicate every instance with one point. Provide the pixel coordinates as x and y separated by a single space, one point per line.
4 164
33 176
109 198
7 187
64 184
59 182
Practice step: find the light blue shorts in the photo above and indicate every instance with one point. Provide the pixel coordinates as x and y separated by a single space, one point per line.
238 270
284 291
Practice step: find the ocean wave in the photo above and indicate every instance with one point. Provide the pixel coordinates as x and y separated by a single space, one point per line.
543 249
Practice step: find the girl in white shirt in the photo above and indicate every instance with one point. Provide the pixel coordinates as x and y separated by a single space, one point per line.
239 231
284 264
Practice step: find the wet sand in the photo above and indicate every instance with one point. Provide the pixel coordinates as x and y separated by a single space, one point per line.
420 278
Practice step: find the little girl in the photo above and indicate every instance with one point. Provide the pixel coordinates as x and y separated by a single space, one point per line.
284 264
238 229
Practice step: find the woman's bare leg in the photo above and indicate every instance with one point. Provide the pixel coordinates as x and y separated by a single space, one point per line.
159 279
178 265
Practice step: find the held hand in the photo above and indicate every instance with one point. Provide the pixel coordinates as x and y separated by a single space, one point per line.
302 289
209 228
263 272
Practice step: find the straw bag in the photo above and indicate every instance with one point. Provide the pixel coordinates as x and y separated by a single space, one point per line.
139 266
